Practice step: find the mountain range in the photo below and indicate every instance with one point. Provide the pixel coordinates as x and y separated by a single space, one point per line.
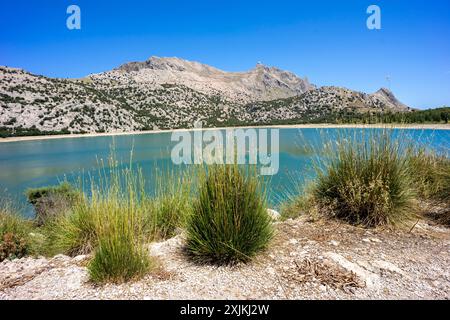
167 93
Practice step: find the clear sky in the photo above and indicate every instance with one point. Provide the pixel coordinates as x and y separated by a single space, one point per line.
328 41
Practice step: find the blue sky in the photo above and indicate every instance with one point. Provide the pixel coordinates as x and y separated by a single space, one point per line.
325 40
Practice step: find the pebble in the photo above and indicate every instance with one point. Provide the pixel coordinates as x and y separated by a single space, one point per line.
275 215
334 243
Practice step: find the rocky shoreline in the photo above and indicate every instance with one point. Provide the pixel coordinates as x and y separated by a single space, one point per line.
307 260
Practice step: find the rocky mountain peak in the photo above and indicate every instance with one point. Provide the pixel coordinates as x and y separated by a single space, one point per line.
388 97
386 92
166 64
258 84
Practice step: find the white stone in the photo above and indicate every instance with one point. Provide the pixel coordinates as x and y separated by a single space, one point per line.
386 265
370 279
275 215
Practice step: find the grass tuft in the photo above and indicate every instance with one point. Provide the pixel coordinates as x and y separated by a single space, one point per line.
52 201
73 233
170 207
109 223
15 234
229 222
120 253
117 209
431 176
366 180
431 179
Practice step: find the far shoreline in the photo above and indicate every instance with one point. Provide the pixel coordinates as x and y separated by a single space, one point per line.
289 126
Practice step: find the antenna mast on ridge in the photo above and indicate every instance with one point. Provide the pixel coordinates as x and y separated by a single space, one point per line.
388 79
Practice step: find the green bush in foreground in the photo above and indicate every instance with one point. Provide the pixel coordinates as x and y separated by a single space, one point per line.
118 259
15 238
73 233
229 222
109 223
120 254
170 207
76 232
118 207
431 179
51 201
431 176
294 206
167 213
367 180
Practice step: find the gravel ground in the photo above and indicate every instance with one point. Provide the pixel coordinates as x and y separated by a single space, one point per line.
307 260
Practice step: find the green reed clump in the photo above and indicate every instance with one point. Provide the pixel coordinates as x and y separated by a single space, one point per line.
109 223
118 212
73 233
229 222
366 180
51 201
15 234
118 258
120 254
431 180
80 229
171 205
431 176
295 205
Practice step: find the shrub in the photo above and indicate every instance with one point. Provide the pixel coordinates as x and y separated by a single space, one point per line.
119 208
117 220
15 239
171 206
118 259
77 230
366 180
295 206
109 224
73 233
51 201
13 246
229 222
120 255
431 176
168 214
431 180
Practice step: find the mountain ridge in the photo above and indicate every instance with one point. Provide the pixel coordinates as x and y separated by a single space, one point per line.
174 93
257 84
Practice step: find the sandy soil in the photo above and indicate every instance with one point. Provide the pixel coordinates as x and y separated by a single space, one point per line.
298 126
307 260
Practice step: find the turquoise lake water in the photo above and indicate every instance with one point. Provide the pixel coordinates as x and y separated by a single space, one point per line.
28 164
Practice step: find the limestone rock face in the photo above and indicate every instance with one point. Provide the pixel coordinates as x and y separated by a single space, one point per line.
388 97
258 84
169 93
